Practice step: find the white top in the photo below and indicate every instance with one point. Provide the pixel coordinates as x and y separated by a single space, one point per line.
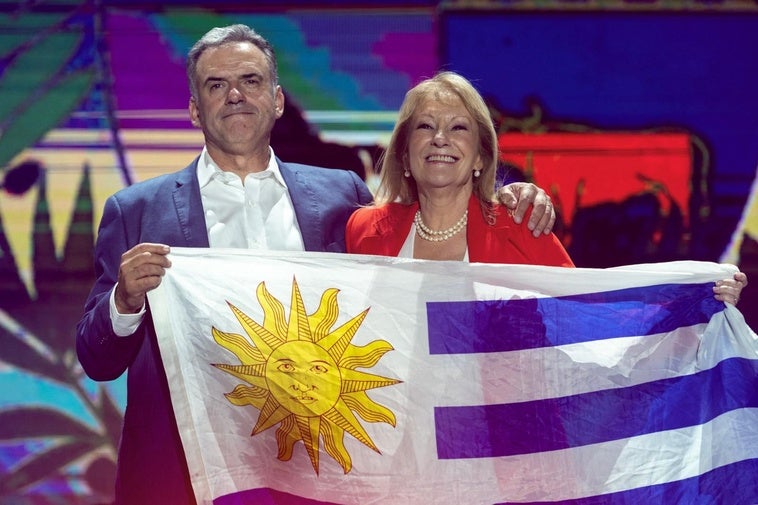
407 250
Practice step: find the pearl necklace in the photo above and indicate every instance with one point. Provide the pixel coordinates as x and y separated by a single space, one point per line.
438 235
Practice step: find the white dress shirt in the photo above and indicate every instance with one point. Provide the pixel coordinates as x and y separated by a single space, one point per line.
256 213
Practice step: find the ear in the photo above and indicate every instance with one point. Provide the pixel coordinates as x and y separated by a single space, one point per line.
194 113
278 102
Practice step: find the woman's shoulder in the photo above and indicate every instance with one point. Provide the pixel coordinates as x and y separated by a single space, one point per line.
512 242
497 215
384 210
383 217
377 229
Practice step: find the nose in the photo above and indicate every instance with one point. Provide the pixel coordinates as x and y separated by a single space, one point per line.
300 384
439 139
234 95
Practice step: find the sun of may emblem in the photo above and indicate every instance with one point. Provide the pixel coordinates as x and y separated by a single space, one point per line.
303 375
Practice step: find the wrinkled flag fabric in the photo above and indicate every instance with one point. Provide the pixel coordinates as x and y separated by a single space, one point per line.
318 378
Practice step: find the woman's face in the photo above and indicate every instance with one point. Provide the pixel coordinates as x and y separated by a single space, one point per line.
443 145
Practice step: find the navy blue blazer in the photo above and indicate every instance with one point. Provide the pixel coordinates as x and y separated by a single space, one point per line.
168 210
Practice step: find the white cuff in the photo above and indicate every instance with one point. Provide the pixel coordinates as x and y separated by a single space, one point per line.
124 324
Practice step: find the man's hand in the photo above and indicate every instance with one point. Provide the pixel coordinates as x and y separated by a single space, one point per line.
141 270
517 196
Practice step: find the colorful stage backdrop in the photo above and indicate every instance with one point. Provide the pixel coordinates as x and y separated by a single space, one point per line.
637 116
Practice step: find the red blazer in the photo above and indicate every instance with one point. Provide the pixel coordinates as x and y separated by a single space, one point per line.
382 231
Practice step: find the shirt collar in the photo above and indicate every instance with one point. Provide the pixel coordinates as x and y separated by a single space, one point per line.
207 168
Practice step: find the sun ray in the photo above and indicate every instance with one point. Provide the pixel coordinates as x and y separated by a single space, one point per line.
364 356
337 341
334 443
247 353
286 437
355 380
274 319
326 315
252 374
309 433
298 328
263 339
344 418
368 409
271 413
247 395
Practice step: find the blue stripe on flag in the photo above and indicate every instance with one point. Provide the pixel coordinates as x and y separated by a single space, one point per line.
509 325
266 496
732 484
572 421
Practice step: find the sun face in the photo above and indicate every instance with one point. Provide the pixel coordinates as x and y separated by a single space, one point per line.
303 375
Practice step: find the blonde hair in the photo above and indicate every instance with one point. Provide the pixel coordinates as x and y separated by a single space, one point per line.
394 186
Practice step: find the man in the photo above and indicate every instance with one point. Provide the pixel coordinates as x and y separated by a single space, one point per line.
235 194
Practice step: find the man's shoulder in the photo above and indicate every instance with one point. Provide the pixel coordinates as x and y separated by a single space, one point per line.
156 185
324 172
328 181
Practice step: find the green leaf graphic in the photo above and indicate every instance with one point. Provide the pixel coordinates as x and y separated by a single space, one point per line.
39 422
44 464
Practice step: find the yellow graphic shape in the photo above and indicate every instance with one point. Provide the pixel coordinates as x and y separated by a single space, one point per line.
303 375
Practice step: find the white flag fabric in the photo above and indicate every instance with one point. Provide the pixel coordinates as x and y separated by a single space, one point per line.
318 378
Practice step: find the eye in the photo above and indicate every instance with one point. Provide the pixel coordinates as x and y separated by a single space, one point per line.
286 367
319 369
461 127
424 126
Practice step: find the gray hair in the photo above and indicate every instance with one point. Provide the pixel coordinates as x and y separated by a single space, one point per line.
223 35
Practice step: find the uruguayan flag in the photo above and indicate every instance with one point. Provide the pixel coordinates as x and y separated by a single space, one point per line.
305 378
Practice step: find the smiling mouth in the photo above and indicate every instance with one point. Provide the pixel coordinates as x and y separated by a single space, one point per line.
441 157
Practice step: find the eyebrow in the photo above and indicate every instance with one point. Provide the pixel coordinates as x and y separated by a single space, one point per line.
426 115
224 79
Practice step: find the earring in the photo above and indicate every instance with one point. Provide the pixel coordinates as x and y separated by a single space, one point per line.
407 173
477 173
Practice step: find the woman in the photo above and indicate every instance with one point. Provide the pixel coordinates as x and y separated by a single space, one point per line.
435 199
436 195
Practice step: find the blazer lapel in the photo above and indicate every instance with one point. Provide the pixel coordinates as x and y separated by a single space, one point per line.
307 207
394 228
189 207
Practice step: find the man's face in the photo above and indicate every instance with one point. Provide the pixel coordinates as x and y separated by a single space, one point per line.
236 103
